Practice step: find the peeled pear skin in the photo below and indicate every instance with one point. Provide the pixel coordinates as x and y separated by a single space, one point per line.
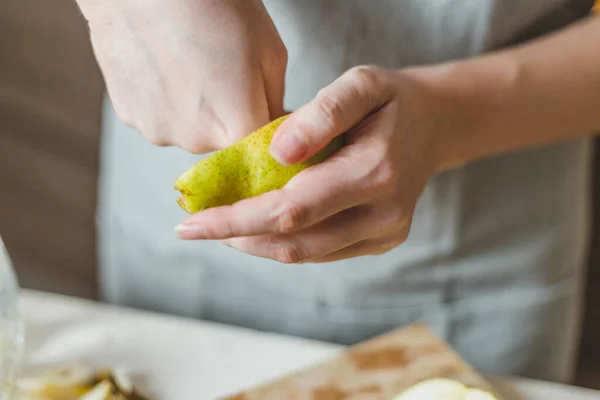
444 389
243 170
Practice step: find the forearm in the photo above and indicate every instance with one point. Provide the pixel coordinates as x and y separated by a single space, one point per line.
528 96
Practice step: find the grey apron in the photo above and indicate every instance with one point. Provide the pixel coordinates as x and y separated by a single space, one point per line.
494 260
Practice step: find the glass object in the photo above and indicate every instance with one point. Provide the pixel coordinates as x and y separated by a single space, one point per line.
11 328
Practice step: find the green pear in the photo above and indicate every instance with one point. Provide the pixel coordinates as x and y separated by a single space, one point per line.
243 170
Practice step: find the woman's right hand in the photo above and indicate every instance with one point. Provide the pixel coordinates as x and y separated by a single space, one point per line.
197 74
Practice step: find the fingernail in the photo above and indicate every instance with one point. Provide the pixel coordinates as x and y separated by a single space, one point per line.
288 148
188 231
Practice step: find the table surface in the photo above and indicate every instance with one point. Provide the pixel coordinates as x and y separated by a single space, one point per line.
175 358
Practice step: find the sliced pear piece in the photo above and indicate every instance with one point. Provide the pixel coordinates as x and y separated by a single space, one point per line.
243 170
444 389
78 383
478 394
67 382
102 391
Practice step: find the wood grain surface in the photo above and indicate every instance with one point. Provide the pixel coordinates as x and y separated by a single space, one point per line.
378 369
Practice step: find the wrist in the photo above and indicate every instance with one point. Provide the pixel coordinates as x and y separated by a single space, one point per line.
469 102
443 119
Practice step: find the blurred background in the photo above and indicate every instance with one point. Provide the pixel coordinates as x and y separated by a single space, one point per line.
50 113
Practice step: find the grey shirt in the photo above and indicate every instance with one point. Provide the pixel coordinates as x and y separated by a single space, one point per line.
495 255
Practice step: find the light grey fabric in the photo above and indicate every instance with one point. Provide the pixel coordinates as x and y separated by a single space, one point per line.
495 256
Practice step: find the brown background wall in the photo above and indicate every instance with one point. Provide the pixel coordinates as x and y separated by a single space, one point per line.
50 96
50 99
589 371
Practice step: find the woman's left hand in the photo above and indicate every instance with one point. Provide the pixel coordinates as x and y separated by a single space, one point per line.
358 202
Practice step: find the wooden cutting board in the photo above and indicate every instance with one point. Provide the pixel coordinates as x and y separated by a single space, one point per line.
378 369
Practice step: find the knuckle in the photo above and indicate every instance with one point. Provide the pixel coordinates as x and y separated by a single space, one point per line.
155 132
403 237
280 55
289 218
189 138
330 110
365 78
384 176
231 137
396 218
229 228
124 115
379 250
387 246
371 84
195 146
286 253
283 58
157 140
275 56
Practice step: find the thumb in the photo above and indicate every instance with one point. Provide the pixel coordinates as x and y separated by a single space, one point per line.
334 111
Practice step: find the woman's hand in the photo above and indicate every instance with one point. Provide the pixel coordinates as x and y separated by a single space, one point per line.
195 74
358 202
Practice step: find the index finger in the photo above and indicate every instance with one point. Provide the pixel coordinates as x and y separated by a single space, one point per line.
311 196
